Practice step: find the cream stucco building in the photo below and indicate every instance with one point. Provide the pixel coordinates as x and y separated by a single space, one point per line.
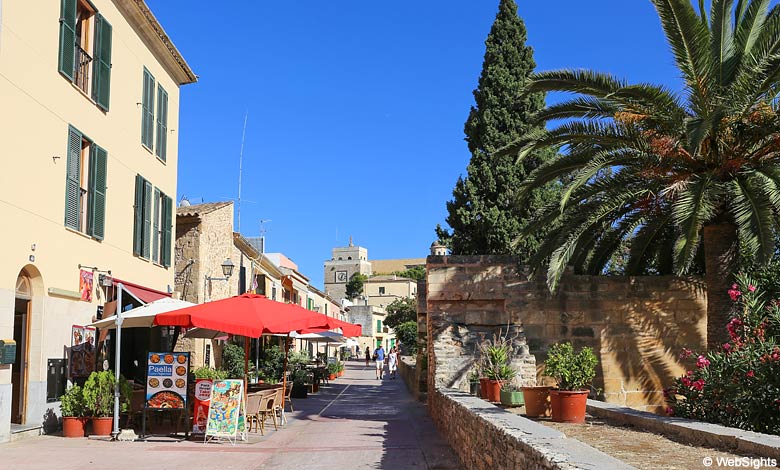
90 95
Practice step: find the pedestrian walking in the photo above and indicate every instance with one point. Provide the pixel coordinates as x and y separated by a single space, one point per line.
379 357
392 361
368 356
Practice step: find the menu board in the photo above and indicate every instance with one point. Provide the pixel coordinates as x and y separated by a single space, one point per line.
224 408
81 359
166 379
202 400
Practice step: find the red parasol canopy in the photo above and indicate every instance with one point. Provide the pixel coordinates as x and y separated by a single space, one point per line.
247 315
347 329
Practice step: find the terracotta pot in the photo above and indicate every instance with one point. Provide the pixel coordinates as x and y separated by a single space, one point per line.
494 390
331 376
483 383
102 426
73 427
569 407
341 372
537 401
554 404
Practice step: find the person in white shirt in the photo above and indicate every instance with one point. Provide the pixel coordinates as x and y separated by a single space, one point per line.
392 361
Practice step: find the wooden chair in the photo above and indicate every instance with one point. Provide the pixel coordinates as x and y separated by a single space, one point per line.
288 397
279 406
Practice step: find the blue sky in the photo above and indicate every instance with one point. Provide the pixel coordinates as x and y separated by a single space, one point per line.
356 108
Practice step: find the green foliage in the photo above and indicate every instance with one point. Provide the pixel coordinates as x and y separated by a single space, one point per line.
340 366
406 333
99 393
354 286
233 360
737 385
415 272
271 366
655 167
401 311
299 377
206 372
333 368
483 216
495 357
572 371
72 403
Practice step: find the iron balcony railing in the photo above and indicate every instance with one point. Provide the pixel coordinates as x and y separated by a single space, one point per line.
81 74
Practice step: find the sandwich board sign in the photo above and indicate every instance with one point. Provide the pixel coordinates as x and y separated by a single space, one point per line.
225 407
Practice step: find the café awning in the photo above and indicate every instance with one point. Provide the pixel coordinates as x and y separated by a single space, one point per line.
141 293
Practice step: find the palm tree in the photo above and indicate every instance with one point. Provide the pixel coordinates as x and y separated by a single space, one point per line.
673 177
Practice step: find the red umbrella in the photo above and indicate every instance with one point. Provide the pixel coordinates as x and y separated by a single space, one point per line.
347 329
247 315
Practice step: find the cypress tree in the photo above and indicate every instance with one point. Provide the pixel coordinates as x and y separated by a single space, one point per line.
483 215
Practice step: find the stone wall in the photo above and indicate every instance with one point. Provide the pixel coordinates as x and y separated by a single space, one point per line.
636 325
487 437
407 369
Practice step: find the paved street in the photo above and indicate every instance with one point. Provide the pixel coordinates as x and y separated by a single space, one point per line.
357 422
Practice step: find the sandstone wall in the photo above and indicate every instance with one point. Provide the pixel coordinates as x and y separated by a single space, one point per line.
636 325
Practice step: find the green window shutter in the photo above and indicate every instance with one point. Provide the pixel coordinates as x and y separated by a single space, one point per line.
167 222
379 326
147 226
138 225
156 227
147 121
101 74
97 191
67 58
161 149
73 179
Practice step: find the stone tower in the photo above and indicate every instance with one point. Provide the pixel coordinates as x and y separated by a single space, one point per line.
437 249
345 262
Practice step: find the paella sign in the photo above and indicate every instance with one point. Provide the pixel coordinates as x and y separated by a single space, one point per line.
224 408
166 379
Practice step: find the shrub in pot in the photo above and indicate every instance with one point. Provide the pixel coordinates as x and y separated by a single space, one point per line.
333 369
511 395
73 409
495 356
574 373
340 368
299 387
99 399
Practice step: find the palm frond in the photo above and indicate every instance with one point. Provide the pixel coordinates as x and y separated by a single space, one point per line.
694 205
754 217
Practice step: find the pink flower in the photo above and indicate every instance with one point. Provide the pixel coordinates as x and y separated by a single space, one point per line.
686 381
702 362
734 294
685 353
669 411
750 373
734 286
752 288
698 385
727 347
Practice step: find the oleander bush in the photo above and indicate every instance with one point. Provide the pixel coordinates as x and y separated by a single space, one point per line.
739 384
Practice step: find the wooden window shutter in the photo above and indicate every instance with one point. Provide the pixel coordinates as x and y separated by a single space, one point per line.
147 121
156 227
101 74
138 225
147 227
161 149
167 223
73 179
97 192
67 56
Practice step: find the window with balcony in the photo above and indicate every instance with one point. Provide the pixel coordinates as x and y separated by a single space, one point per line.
85 49
85 185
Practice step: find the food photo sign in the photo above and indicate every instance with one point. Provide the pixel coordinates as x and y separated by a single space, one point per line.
166 379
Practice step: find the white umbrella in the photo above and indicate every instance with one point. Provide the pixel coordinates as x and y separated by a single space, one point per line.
143 316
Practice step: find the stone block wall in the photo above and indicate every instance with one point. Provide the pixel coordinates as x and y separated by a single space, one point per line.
636 325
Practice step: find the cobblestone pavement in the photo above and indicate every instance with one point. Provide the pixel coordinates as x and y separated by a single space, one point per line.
357 422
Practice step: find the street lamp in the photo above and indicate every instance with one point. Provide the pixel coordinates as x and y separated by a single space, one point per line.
227 271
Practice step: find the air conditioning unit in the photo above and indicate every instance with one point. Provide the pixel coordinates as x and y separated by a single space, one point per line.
386 329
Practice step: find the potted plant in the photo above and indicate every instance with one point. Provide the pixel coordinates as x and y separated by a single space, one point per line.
99 399
511 395
73 409
340 368
537 401
498 375
299 387
574 373
495 357
333 369
474 382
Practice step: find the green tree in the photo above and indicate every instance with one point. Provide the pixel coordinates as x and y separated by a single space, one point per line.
415 272
407 334
482 214
683 176
355 285
401 311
